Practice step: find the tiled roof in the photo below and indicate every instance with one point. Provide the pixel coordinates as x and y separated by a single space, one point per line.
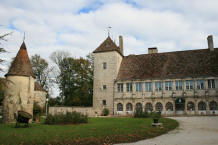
37 87
180 64
21 65
107 45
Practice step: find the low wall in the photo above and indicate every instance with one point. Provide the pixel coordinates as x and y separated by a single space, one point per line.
63 110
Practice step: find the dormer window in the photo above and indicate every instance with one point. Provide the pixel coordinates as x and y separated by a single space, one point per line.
104 65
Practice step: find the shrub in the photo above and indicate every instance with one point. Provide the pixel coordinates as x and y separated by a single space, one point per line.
105 112
68 118
139 113
156 115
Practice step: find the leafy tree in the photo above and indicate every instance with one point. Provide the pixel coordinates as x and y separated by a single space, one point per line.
76 82
55 101
2 50
2 89
41 70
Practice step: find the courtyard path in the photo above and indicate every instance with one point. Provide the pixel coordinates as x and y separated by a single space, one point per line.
192 131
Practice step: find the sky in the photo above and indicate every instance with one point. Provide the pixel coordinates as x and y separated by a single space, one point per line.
80 26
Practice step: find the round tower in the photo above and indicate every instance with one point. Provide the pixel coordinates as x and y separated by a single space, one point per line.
19 93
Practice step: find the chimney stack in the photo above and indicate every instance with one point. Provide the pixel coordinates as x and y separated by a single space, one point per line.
152 50
121 44
210 42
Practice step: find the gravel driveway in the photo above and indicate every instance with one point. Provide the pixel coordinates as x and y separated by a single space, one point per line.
192 131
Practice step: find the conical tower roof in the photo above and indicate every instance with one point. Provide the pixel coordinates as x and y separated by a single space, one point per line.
21 65
107 45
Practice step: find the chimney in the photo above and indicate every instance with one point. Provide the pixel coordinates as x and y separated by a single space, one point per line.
210 42
152 50
121 44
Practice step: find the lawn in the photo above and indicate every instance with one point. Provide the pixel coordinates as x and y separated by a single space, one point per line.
97 131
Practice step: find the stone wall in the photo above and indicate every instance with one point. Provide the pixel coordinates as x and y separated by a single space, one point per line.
40 98
63 110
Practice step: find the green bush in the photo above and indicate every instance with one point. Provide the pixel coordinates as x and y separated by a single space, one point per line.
139 113
68 118
156 115
105 112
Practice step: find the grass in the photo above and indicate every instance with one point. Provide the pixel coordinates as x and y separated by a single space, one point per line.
97 131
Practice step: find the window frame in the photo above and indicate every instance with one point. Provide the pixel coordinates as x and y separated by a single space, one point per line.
104 65
211 83
129 87
148 86
200 84
104 87
138 86
120 87
168 86
179 85
189 84
158 86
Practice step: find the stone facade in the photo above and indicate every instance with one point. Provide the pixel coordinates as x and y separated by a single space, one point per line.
120 81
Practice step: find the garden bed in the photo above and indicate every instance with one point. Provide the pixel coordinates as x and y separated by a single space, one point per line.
97 132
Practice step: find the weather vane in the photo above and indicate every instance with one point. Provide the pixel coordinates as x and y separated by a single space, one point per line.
23 36
108 30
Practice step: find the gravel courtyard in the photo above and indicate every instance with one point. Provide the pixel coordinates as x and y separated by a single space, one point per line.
192 131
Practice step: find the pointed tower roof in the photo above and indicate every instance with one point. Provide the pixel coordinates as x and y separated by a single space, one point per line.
21 65
107 45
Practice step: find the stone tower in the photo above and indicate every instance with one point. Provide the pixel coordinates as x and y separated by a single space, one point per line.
19 93
107 59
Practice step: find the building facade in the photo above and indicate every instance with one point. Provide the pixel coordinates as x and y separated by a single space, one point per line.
174 83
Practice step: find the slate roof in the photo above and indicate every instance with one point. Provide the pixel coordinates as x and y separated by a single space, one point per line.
107 45
21 65
37 87
180 64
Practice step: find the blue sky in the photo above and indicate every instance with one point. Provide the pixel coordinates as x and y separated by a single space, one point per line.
79 26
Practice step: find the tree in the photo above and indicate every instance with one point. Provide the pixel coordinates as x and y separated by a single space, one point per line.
41 71
75 81
2 89
2 50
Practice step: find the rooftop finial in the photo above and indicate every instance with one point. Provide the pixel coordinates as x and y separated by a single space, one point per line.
23 36
108 30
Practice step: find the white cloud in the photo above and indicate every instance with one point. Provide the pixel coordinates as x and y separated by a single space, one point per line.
79 26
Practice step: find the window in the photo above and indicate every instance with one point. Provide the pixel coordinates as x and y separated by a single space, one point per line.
104 65
148 86
189 85
213 105
139 87
129 87
120 87
148 107
168 86
104 87
119 107
211 84
200 84
104 102
158 86
201 106
159 107
179 85
139 106
169 106
129 107
191 106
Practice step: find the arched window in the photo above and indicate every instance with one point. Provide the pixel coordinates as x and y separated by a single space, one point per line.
119 107
213 105
138 106
169 106
201 106
190 106
129 107
159 107
148 107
